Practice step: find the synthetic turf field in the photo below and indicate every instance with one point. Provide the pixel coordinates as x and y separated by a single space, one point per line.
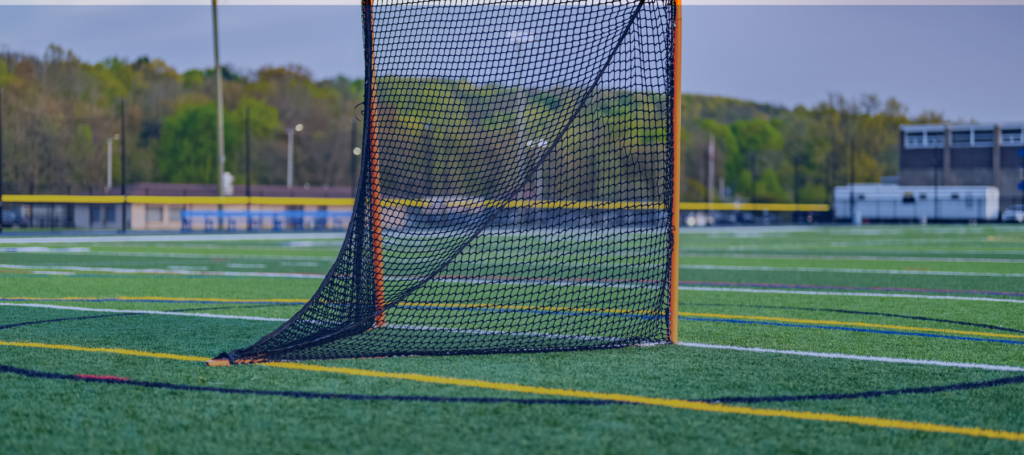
873 339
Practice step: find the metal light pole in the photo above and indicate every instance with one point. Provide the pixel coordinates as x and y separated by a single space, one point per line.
353 165
220 106
796 189
711 172
935 182
248 134
753 177
248 176
518 40
291 152
110 161
124 172
427 139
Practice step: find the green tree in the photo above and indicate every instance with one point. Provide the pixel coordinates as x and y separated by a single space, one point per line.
188 139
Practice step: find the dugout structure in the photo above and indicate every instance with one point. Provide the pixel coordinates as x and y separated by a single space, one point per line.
519 185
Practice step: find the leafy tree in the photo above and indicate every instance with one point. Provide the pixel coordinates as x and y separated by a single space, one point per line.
188 139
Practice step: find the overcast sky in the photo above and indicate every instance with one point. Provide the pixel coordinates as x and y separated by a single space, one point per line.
966 61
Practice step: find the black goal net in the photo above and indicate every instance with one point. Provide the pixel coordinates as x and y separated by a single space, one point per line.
517 185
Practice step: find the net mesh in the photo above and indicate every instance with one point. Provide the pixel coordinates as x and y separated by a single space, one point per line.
516 188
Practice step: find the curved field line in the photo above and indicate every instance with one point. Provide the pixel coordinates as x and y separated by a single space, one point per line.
666 402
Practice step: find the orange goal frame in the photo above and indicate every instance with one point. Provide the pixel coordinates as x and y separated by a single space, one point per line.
677 139
376 213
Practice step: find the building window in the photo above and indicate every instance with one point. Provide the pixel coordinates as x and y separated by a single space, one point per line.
111 215
961 138
983 138
154 213
95 215
908 197
1013 137
956 196
923 197
914 140
175 212
935 139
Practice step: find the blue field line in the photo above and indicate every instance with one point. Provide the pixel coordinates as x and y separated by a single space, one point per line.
851 329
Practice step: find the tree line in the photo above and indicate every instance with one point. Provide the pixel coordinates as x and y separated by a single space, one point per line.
60 111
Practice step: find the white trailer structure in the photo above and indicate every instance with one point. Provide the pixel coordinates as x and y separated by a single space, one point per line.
885 202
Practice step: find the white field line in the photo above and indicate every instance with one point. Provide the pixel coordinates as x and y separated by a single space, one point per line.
693 345
162 271
787 248
852 258
501 282
174 238
175 255
830 270
42 249
256 318
826 355
166 313
847 294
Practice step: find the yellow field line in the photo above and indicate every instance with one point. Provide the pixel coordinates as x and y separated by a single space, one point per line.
666 402
396 202
68 347
855 324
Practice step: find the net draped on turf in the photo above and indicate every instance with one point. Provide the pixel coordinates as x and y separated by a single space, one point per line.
516 188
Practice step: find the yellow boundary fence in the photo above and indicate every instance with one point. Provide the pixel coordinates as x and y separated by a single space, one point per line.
255 200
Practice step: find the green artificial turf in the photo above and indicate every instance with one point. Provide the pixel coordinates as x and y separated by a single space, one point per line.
44 415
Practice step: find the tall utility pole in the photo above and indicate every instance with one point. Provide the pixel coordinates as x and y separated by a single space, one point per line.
711 172
124 172
220 106
353 165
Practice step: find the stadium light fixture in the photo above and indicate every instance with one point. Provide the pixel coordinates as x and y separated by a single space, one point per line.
291 152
